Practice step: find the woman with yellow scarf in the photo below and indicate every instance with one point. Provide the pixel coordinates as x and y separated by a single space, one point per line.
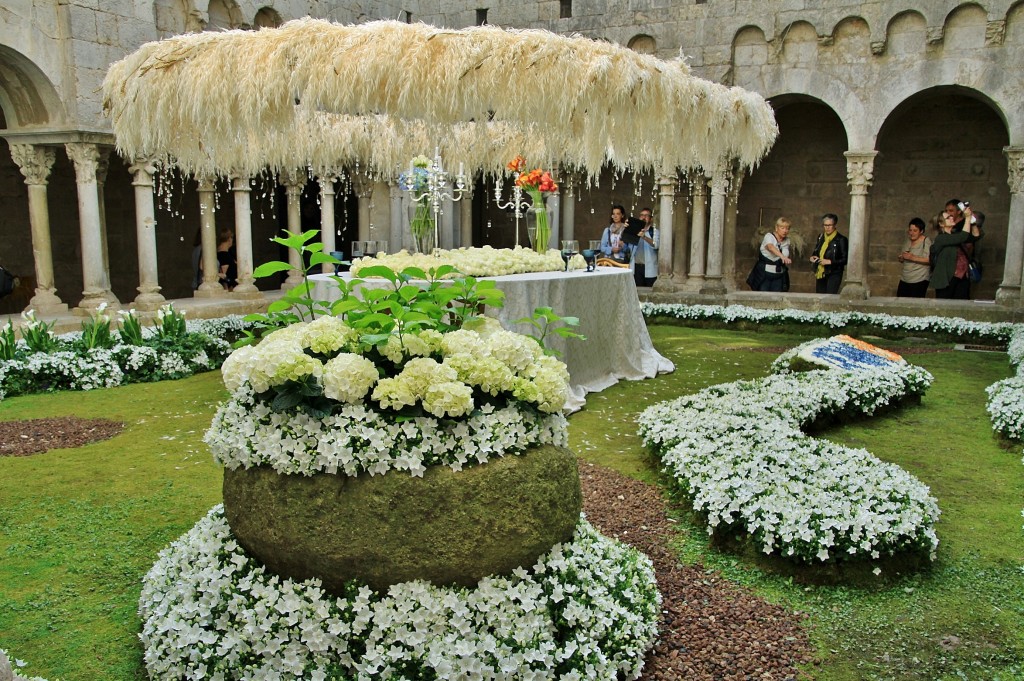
829 255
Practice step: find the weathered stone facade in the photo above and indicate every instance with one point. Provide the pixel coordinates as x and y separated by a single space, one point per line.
886 109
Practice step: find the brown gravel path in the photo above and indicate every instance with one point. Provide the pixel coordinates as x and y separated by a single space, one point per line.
710 628
32 436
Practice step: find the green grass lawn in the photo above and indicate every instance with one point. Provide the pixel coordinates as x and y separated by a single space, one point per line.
79 528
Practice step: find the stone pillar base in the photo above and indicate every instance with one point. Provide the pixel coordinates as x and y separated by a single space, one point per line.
210 291
246 292
713 287
1009 296
149 302
92 301
666 285
853 290
46 302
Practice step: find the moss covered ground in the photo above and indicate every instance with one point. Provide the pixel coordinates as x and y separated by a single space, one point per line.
79 528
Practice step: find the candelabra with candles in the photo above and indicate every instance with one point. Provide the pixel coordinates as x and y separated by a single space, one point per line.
435 187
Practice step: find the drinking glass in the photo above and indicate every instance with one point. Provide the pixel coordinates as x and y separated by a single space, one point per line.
357 249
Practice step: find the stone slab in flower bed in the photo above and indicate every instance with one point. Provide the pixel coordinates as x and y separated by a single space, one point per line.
446 527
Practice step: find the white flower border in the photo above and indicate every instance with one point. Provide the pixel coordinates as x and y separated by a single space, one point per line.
110 367
588 609
1005 398
246 432
738 452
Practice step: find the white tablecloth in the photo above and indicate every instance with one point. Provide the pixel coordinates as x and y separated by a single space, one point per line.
618 345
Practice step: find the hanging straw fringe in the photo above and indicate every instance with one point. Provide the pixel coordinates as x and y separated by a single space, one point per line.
317 95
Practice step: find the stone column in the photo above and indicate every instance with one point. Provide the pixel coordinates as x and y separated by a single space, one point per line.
96 283
242 189
665 221
729 242
294 181
101 178
860 167
698 220
716 230
327 218
149 297
397 230
210 286
1008 292
466 217
35 163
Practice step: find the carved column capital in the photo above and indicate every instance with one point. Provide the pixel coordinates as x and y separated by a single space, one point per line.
995 33
667 185
293 180
86 157
860 170
698 182
720 177
102 164
142 171
1015 166
34 161
738 175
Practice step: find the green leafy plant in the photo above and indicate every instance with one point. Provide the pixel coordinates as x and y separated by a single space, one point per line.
38 335
546 321
8 342
130 328
96 330
170 323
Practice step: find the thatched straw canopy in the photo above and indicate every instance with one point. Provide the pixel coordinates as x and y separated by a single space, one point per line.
322 95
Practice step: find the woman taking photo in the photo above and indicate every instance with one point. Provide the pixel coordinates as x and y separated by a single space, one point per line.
944 252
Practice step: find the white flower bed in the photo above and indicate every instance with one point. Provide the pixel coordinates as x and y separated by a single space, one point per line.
738 452
474 262
997 331
122 363
247 433
587 610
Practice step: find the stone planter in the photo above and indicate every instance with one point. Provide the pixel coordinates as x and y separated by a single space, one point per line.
447 527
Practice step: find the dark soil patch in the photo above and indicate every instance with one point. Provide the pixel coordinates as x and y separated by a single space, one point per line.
710 628
33 436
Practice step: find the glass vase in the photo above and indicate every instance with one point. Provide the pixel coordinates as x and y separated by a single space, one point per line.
423 243
421 227
538 228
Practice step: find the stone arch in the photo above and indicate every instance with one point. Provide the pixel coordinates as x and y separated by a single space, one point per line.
964 28
852 39
27 96
906 34
802 177
267 17
643 43
749 47
223 15
1015 24
174 17
938 143
798 44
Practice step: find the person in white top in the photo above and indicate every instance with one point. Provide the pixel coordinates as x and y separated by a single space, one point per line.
775 257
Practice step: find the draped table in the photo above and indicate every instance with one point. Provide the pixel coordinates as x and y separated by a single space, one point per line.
618 345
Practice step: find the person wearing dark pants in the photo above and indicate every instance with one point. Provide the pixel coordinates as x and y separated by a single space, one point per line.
830 254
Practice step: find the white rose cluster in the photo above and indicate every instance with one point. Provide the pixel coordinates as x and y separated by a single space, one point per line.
738 451
440 372
588 609
474 262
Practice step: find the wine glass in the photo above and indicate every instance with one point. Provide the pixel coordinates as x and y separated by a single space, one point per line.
370 249
382 245
570 247
357 249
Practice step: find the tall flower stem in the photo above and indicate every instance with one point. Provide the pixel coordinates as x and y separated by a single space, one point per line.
540 243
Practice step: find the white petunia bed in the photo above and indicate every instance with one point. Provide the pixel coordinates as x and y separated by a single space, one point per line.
738 451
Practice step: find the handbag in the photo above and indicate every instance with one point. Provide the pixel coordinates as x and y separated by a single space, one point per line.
974 270
756 276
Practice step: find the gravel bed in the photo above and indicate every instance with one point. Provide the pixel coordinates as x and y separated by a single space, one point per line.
710 628
33 436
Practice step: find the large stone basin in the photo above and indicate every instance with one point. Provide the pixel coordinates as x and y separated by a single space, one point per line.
447 527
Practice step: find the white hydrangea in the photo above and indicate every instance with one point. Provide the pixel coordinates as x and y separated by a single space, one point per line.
279 359
326 335
349 377
450 398
516 351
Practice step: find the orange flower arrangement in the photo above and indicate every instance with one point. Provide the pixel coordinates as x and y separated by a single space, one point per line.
535 183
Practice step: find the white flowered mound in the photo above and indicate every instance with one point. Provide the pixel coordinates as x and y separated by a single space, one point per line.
588 609
483 261
738 452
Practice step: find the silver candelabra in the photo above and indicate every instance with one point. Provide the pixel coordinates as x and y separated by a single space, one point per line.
516 202
437 187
